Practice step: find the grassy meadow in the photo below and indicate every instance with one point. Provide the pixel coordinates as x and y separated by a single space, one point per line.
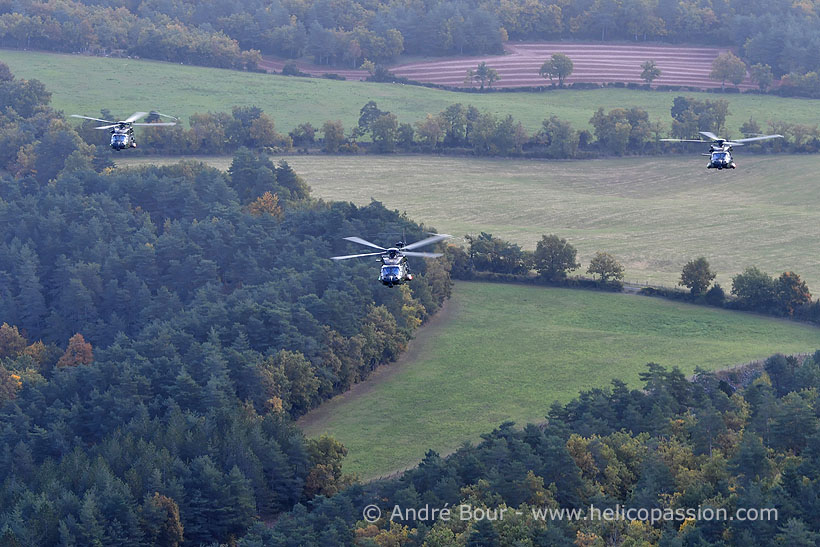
508 352
84 85
653 213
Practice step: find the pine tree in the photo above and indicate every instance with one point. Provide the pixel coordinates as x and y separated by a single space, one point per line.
483 533
31 304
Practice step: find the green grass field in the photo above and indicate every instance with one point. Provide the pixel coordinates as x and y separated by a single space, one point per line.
507 352
84 85
654 214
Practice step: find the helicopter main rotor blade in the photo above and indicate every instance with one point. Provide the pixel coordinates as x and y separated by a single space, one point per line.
134 117
760 138
95 119
682 140
361 241
345 257
426 241
155 113
156 124
710 135
426 255
108 126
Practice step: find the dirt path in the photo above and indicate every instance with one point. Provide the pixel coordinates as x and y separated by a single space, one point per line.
415 348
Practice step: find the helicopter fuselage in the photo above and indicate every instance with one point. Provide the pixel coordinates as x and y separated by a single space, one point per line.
394 270
123 138
720 158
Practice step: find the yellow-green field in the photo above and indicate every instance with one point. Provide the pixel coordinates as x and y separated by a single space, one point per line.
654 214
84 85
508 352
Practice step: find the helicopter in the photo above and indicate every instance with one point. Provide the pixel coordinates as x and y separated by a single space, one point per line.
395 270
122 132
720 149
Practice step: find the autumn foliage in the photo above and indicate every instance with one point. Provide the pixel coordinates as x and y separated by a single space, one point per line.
266 203
11 341
78 352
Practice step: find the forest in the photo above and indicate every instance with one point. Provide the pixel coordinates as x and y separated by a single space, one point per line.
781 34
161 328
739 440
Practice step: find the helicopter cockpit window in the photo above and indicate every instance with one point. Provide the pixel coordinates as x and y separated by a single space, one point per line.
390 270
117 138
719 156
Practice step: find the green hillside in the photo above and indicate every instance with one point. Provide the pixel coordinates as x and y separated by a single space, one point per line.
86 84
507 352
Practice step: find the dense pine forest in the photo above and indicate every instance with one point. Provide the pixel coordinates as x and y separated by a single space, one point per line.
674 445
161 327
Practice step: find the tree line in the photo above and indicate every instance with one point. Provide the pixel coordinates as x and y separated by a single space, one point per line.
71 26
776 34
489 257
460 129
752 290
726 441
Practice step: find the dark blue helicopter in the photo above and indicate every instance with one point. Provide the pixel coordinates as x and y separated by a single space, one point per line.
395 270
122 132
720 150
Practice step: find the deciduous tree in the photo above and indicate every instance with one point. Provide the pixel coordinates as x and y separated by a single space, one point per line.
761 75
697 276
554 257
650 72
334 136
11 341
267 203
755 289
558 66
728 66
484 75
792 292
78 352
605 265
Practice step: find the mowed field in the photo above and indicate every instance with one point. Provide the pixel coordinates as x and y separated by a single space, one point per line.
507 352
84 85
592 63
598 63
653 213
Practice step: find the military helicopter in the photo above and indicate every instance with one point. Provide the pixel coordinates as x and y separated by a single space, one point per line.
122 132
395 269
720 149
